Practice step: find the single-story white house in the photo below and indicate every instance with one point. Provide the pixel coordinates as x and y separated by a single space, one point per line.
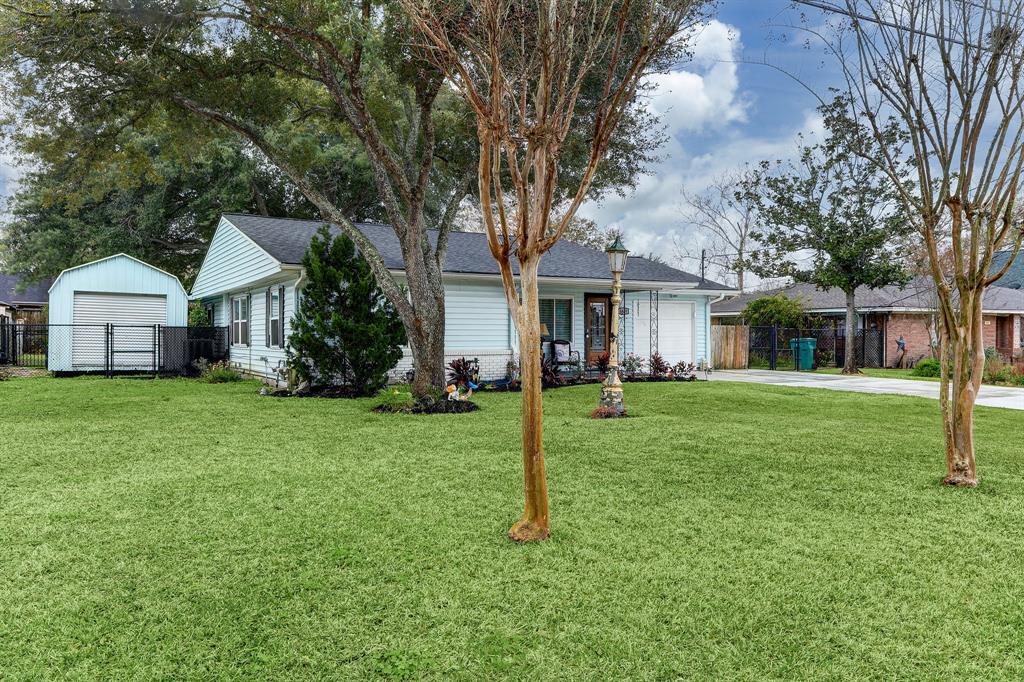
107 315
252 274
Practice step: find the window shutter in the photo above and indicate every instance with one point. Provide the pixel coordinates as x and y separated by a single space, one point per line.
280 318
231 319
266 318
248 319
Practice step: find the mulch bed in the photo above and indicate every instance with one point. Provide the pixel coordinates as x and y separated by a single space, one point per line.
318 392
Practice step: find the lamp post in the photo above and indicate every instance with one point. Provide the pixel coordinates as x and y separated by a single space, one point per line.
611 391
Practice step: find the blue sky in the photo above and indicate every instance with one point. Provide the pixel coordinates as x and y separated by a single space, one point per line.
722 112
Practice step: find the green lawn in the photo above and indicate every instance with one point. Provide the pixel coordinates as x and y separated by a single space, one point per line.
174 530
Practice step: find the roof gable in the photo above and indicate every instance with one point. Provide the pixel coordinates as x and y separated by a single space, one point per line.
232 260
286 240
116 256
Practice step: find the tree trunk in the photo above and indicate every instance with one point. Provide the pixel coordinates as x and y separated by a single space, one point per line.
965 346
850 361
534 523
427 348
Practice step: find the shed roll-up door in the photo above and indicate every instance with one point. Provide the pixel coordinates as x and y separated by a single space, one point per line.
134 317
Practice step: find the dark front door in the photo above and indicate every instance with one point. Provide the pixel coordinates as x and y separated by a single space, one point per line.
597 323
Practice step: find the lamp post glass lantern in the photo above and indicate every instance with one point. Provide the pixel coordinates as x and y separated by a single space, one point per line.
611 391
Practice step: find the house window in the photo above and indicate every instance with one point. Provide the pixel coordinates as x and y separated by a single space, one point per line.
209 314
556 313
240 321
275 318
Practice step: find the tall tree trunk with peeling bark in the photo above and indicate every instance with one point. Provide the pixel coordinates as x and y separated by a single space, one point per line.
950 74
850 360
523 66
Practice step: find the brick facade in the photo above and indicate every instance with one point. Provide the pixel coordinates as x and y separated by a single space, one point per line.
913 327
493 364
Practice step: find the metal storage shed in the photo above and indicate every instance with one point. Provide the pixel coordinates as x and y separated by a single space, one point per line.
109 315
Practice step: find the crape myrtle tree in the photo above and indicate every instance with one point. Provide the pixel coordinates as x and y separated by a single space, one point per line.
282 75
345 330
831 217
533 71
950 75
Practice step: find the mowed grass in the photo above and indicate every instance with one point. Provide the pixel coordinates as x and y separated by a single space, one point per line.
175 530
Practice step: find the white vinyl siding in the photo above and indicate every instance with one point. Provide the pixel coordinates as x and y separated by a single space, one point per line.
258 358
136 317
232 260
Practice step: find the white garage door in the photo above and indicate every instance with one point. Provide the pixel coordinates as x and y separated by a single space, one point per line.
133 338
675 330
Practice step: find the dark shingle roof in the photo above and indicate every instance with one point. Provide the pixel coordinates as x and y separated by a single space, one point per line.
915 296
287 239
1014 277
12 293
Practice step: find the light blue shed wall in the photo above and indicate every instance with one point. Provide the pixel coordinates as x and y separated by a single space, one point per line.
232 260
118 275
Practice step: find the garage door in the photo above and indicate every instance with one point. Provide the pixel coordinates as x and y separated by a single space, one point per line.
133 335
675 330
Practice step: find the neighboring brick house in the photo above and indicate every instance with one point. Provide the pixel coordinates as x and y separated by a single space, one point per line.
906 312
21 302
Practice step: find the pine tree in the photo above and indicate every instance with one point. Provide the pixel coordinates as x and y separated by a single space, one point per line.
346 330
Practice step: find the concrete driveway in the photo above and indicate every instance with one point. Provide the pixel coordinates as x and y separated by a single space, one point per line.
991 396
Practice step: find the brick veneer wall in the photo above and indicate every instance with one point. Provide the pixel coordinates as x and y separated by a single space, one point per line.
913 327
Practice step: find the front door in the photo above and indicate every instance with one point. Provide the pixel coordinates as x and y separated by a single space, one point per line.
598 325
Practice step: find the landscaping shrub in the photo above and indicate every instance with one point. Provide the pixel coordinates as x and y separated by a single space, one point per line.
928 367
602 362
395 399
633 364
462 372
197 316
777 310
659 368
346 332
549 373
5 374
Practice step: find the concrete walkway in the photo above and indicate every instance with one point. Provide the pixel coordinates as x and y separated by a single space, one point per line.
991 396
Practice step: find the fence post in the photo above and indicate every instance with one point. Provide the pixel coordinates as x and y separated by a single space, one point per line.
773 353
106 349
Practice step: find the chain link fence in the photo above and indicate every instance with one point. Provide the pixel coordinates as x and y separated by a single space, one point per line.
110 348
772 347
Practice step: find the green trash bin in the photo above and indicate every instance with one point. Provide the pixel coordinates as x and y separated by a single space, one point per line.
803 353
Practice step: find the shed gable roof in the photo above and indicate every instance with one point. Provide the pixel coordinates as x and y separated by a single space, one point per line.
116 256
287 239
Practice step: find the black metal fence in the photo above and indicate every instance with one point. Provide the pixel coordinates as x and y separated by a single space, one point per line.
110 348
776 347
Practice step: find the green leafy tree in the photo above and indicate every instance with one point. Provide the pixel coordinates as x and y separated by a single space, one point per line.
346 331
776 310
282 75
832 217
159 198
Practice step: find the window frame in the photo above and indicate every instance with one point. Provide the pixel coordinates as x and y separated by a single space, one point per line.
554 316
238 338
274 318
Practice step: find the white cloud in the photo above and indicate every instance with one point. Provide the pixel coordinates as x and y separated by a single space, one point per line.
704 98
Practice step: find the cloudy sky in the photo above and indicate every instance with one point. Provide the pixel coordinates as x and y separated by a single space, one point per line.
722 109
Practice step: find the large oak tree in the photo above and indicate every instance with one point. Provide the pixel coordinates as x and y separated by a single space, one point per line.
277 73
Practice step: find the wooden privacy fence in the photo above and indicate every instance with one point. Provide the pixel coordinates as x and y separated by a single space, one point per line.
730 345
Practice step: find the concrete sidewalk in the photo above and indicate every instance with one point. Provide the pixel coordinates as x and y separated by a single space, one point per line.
990 396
